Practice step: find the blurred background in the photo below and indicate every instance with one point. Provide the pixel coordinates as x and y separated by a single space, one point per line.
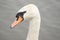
50 24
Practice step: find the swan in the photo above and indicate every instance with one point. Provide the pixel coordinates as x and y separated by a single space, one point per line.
32 13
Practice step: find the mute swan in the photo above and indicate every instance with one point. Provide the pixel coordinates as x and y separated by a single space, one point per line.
32 13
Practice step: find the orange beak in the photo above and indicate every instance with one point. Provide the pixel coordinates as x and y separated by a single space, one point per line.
16 22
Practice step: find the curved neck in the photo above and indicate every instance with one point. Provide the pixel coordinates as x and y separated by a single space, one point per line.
34 28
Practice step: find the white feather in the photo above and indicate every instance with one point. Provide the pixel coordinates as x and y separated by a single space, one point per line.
33 14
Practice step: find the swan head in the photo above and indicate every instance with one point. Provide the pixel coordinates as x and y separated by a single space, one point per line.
20 16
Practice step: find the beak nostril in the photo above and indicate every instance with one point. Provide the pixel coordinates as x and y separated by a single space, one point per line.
17 18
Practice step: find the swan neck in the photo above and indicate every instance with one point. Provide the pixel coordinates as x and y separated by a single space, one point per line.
34 28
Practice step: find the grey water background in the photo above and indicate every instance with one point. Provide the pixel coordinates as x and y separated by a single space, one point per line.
50 16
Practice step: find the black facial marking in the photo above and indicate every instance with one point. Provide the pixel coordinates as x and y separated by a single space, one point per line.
20 14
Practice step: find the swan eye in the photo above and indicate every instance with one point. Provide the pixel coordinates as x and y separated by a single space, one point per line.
20 14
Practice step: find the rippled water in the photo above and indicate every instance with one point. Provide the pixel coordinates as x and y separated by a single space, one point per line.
50 14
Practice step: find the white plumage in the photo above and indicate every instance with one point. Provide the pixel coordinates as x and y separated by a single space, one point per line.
33 14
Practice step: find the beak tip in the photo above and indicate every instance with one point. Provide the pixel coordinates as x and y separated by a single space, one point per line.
11 27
